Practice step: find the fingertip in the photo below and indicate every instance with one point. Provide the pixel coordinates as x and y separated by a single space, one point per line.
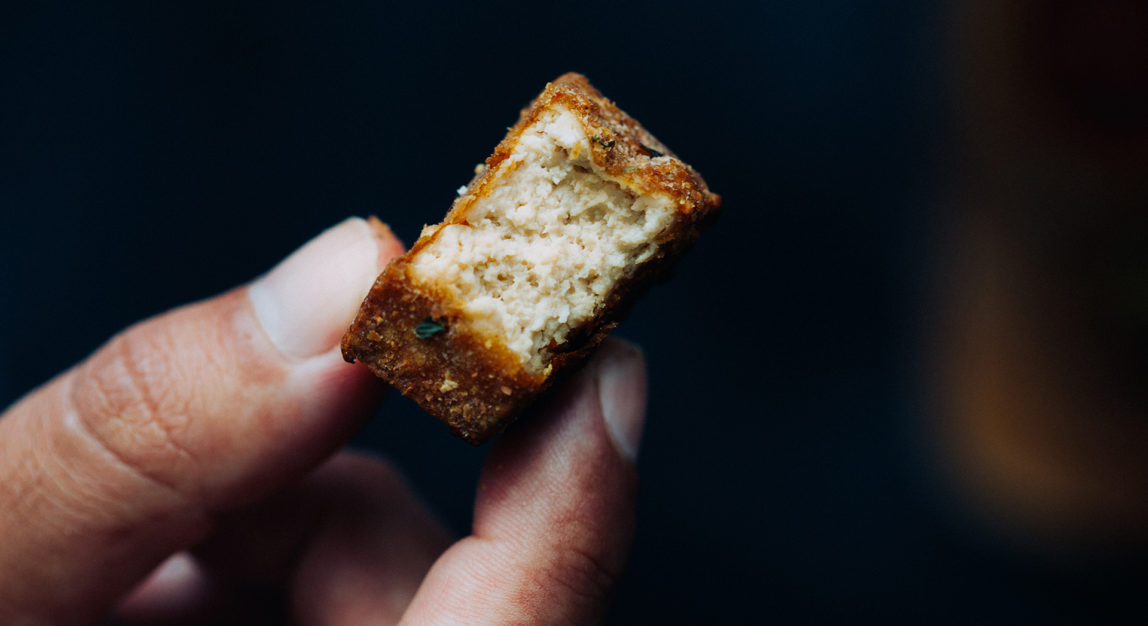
621 372
307 301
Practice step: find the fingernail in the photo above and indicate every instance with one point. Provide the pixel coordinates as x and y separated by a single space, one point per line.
621 374
307 301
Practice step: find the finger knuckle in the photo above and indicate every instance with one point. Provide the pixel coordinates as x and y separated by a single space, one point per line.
130 401
583 576
363 478
363 464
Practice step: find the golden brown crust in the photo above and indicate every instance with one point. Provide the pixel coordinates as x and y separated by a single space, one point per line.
471 382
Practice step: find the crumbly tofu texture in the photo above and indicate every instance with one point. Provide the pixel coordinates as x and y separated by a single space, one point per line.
536 257
576 212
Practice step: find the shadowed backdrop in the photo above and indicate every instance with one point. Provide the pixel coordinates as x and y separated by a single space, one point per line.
152 154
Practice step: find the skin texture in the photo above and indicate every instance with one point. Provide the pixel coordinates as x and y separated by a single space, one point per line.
189 472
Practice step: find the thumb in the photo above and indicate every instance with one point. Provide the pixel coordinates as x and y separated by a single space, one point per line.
129 456
554 516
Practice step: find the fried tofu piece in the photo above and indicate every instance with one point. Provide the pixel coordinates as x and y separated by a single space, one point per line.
577 210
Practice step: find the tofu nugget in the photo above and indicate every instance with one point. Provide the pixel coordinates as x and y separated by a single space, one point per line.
576 211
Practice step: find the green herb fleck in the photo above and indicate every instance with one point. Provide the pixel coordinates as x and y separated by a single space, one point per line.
428 328
631 169
653 153
605 143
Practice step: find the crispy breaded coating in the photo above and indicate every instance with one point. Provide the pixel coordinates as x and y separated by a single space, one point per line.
577 210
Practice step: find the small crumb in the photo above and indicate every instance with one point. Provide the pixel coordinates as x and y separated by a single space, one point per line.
448 385
478 168
374 336
507 390
461 190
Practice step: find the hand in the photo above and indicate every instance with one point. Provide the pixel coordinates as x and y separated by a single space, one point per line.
184 474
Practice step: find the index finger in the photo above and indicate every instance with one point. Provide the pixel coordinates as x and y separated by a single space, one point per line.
128 457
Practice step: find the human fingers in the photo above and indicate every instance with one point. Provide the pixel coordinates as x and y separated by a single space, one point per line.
133 454
554 518
348 545
370 553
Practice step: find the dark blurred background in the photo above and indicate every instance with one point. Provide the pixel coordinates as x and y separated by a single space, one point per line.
813 453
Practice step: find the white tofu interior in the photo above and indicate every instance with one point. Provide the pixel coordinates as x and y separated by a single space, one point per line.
540 253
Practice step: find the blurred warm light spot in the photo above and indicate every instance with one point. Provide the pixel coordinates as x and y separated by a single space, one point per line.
1044 286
